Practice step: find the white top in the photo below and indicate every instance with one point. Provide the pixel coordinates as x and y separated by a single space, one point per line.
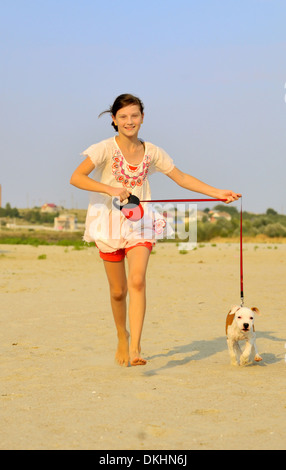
112 169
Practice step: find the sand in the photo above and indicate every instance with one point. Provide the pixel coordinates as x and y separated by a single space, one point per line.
61 389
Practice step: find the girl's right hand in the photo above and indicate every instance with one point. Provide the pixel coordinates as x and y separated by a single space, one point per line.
121 193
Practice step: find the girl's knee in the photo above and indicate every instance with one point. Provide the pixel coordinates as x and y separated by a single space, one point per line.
136 281
118 293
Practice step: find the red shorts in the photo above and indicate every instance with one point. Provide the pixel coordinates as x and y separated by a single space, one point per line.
119 255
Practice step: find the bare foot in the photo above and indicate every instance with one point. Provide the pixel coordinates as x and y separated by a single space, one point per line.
122 353
136 359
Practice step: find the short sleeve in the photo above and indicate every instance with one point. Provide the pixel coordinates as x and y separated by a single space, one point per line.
96 152
163 162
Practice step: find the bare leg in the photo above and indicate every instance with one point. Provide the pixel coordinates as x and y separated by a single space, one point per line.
118 290
137 262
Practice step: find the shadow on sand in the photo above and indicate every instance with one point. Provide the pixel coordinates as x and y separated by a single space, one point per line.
203 349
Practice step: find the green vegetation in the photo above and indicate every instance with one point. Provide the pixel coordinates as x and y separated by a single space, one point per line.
271 225
47 237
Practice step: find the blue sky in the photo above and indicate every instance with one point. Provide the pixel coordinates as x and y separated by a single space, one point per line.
211 74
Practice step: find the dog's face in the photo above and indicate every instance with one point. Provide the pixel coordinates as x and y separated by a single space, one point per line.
244 317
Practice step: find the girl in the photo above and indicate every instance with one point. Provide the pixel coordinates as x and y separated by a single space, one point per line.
121 166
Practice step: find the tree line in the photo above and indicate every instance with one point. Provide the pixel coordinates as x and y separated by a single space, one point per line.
33 216
270 224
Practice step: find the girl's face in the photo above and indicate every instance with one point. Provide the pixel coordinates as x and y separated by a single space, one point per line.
128 120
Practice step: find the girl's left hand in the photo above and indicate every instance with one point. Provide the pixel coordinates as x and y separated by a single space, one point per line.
230 196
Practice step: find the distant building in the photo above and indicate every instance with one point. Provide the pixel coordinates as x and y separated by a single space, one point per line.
50 208
66 223
215 215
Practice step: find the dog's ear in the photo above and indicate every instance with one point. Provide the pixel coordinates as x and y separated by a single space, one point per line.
229 320
234 308
255 310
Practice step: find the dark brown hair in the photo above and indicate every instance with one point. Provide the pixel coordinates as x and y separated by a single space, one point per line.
121 101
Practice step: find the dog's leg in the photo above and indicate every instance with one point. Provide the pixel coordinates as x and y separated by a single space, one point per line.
237 351
246 355
257 357
234 351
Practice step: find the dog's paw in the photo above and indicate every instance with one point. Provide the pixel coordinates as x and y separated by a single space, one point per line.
234 363
245 361
258 358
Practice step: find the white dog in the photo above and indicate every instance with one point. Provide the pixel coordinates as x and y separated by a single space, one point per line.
240 327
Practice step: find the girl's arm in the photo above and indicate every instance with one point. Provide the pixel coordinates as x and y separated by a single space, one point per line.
193 184
81 180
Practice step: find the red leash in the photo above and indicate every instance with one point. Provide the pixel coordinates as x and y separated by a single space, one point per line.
185 200
241 258
134 211
241 246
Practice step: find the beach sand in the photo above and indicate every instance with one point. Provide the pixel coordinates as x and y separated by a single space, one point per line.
61 389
